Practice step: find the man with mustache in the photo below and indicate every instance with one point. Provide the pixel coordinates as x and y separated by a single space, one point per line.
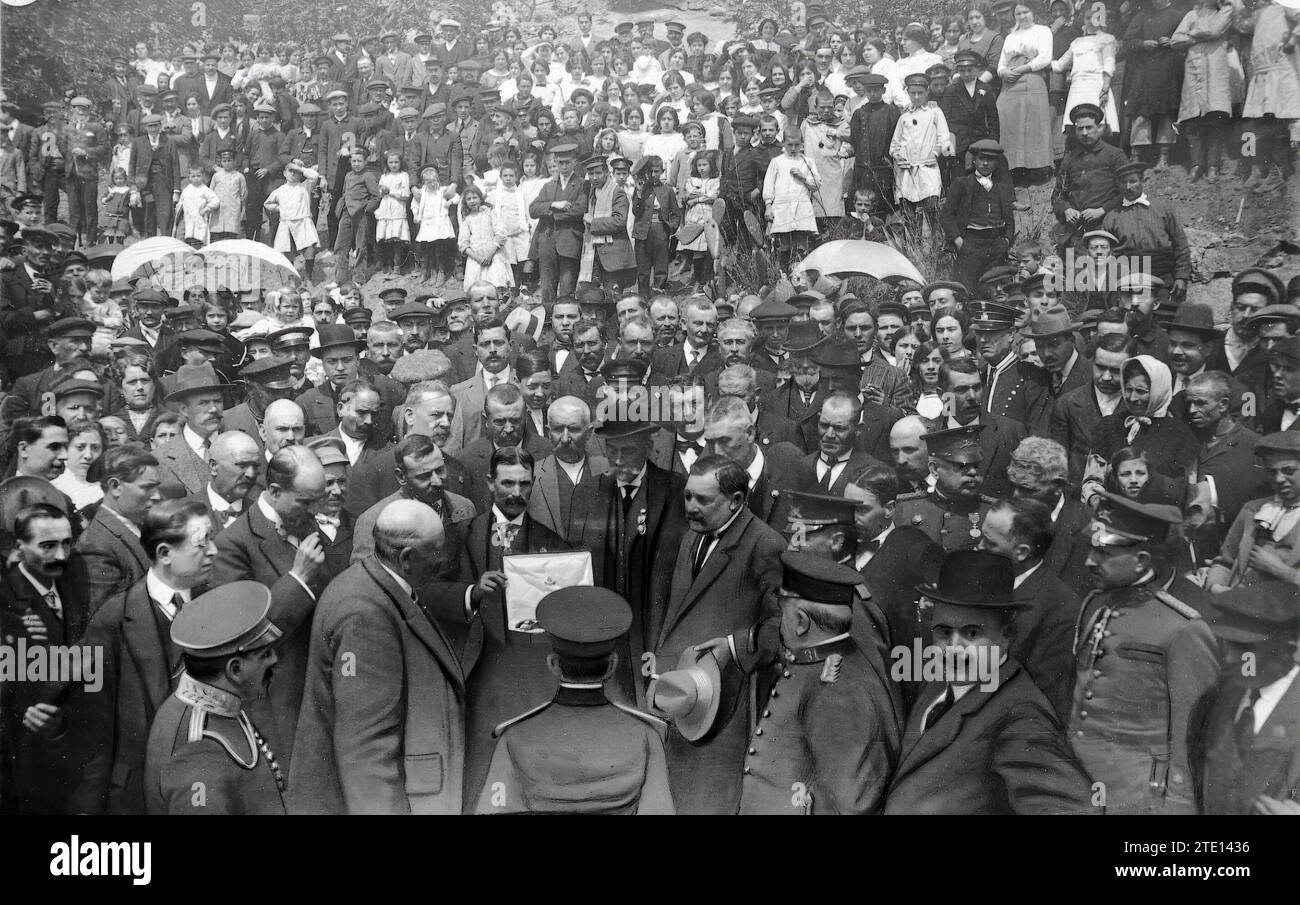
1138 295
1077 412
492 350
207 731
952 512
582 375
667 321
340 353
109 730
963 390
183 461
566 479
43 603
266 381
503 426
360 429
110 545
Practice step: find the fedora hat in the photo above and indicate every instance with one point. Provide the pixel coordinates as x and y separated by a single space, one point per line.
1055 321
693 696
974 578
195 379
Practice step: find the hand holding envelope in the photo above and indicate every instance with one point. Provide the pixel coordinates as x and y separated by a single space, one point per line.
531 576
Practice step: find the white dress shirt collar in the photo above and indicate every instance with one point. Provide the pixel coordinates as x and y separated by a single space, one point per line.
499 516
161 593
401 582
194 441
1269 696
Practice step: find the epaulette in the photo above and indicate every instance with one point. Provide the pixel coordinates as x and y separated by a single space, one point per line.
911 495
1177 605
502 727
235 735
655 723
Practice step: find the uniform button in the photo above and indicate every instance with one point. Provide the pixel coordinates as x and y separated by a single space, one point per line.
758 731
1083 714
785 675
1088 695
1096 673
767 713
753 751
747 771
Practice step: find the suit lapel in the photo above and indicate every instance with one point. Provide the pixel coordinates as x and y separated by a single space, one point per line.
278 551
549 483
114 526
140 635
713 567
420 624
919 747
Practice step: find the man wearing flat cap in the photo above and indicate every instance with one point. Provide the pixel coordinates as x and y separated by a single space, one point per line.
156 171
978 215
981 741
1148 229
580 753
559 210
871 129
951 513
394 64
607 219
68 342
339 130
1247 760
1143 658
1087 184
85 145
1239 352
205 754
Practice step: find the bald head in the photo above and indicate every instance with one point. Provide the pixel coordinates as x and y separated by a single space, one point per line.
283 425
909 451
235 462
568 425
408 539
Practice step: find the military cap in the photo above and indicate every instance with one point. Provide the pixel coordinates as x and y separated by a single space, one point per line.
291 336
18 202
837 355
256 340
71 326
1193 317
673 25
168 95
641 22
1131 168
567 149
956 444
618 162
81 102
437 108
1251 615
1258 280
938 68
329 450
974 578
38 235
1089 110
991 317
73 387
337 92
773 310
1288 313
270 371
1015 297
1038 282
1122 522
1281 441
957 288
584 622
986 146
198 378
817 510
151 296
597 161
744 121
53 106
968 56
358 315
392 293
333 336
1137 282
377 85
308 109
413 309
1055 321
917 79
204 339
226 621
630 369
816 578
368 108
623 26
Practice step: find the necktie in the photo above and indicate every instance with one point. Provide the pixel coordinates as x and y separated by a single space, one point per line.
701 551
871 546
827 479
177 602
628 493
939 709
1057 381
1244 729
692 359
52 601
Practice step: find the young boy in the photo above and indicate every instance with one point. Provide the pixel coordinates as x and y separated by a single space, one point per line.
231 190
196 203
861 222
657 216
977 217
788 189
291 202
920 139
871 129
354 209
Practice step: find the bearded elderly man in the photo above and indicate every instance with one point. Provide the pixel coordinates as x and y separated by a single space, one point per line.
566 479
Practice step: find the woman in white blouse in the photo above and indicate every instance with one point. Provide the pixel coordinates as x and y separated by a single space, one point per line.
1023 108
873 55
1090 60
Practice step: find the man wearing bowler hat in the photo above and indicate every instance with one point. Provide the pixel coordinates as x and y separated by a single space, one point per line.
978 216
339 351
983 739
951 513
1143 658
580 752
205 754
560 209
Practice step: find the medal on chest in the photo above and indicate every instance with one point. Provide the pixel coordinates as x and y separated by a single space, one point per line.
974 523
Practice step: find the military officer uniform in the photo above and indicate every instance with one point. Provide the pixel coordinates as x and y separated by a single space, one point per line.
1143 658
952 522
826 738
1010 389
205 756
579 753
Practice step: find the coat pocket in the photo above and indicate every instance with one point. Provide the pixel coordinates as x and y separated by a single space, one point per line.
1148 653
423 774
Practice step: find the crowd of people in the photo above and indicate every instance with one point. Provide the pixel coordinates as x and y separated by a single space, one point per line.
565 533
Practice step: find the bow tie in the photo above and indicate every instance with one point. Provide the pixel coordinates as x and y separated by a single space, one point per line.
871 546
331 520
1293 407
1142 201
684 445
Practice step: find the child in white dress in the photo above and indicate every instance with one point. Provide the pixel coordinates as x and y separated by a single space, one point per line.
292 202
196 203
700 192
232 191
788 190
920 139
391 230
435 237
510 217
484 258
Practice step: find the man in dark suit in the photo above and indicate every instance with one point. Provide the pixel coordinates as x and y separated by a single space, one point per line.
559 210
1239 351
503 426
108 730
149 325
110 545
1284 365
276 542
506 663
1038 472
1076 413
1245 731
212 86
992 745
43 604
392 742
332 521
745 383
970 106
360 431
68 340
27 305
1064 366
963 387
838 456
565 481
343 61
340 352
156 172
697 354
729 431
183 460
580 375
725 574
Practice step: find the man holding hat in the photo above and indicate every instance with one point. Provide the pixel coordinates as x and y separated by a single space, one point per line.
205 755
1143 658
981 741
156 170
580 752
1248 757
951 513
979 216
560 210
1149 231
86 145
1087 184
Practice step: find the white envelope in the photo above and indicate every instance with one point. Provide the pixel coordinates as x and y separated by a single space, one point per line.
531 576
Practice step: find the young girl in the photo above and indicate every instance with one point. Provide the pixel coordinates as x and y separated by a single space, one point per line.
197 203
510 217
788 190
231 190
297 231
115 208
391 231
701 191
631 140
682 167
435 238
484 257
1129 472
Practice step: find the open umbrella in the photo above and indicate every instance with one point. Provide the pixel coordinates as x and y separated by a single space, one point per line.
147 253
243 264
875 259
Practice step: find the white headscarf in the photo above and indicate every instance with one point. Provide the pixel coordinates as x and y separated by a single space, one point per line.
1162 391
